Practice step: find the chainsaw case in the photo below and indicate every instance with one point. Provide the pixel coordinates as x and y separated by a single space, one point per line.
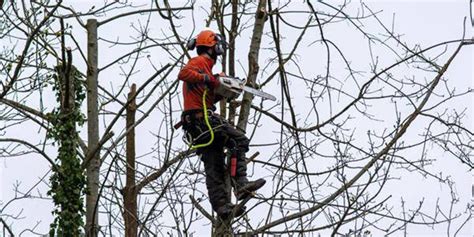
230 87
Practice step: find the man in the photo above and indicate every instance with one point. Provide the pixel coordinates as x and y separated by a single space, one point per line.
198 77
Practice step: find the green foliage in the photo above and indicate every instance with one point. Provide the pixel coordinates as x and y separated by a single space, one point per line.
68 180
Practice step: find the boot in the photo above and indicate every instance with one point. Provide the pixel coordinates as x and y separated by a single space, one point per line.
226 210
243 190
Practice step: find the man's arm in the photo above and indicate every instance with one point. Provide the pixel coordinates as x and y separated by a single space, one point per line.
217 98
190 73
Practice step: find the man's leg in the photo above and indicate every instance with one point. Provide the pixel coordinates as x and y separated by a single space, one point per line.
215 176
213 159
240 143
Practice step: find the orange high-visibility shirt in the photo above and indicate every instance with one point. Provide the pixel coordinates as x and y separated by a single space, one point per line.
193 76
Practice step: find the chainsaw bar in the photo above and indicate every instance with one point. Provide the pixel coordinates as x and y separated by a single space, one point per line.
232 87
259 93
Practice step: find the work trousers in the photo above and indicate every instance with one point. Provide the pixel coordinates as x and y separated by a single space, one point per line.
213 156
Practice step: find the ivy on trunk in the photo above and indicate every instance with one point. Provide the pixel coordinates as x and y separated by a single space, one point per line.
68 180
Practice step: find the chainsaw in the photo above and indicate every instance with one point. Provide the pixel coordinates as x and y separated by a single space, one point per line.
232 87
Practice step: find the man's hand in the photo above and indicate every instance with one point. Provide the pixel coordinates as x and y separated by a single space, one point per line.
212 81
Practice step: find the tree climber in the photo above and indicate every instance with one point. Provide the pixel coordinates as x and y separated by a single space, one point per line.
199 84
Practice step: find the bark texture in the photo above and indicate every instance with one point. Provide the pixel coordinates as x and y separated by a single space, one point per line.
129 192
260 17
93 168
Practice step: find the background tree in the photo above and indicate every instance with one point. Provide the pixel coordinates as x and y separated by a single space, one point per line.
361 110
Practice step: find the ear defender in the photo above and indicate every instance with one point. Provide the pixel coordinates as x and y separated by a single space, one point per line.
191 44
220 46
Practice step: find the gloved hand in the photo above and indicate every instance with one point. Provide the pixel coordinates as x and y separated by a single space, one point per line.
211 81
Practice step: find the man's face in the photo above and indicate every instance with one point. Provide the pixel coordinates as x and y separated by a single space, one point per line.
212 53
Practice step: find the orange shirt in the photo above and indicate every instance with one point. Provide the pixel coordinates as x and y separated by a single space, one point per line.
193 75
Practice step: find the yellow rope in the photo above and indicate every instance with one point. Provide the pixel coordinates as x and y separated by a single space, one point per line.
206 119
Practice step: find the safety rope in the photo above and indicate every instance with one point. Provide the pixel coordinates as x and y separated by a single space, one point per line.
208 124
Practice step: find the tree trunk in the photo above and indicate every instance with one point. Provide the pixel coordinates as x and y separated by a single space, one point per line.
232 35
130 193
67 182
260 17
224 227
92 218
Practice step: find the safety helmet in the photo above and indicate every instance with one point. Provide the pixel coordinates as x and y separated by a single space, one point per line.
206 38
209 39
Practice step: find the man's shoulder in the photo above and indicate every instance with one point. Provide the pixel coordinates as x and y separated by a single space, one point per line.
199 61
197 58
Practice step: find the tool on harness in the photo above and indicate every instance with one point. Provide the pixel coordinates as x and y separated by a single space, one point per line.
233 165
232 87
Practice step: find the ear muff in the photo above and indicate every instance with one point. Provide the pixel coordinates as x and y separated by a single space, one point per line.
221 45
219 49
191 44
